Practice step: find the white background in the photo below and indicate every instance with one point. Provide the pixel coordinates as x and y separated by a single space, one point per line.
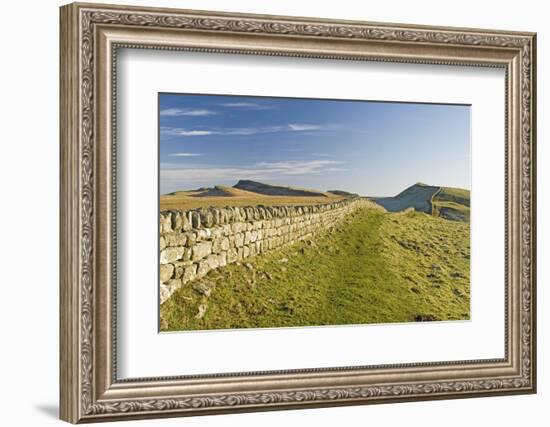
141 346
29 173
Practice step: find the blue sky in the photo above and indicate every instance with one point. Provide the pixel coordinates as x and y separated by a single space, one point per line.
370 148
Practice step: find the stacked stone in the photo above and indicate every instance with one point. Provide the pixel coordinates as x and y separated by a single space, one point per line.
194 242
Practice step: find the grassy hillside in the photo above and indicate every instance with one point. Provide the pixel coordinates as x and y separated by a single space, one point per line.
342 193
375 267
456 195
452 203
221 196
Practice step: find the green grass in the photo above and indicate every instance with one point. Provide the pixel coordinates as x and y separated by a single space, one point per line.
451 210
457 195
452 203
375 267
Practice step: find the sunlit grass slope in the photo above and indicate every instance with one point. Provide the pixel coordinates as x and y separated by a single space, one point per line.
221 196
375 267
452 203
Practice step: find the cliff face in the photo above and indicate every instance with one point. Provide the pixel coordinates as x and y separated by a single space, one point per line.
446 202
418 196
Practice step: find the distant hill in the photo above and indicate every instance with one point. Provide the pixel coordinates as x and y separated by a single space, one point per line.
219 191
342 193
245 193
216 191
276 190
447 202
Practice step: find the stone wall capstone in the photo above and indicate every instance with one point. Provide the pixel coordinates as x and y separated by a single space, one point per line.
194 242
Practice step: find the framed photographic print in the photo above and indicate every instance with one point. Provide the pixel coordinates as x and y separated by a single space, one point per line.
265 212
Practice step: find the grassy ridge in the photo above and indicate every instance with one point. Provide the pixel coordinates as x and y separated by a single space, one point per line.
185 200
375 267
452 203
456 195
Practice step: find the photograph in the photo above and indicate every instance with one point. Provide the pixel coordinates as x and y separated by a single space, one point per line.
312 180
287 212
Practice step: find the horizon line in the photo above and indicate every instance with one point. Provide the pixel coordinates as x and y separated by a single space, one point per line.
418 183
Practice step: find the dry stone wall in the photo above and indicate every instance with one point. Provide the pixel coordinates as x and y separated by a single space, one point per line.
196 241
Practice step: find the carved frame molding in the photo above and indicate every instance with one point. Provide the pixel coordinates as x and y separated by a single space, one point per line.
90 36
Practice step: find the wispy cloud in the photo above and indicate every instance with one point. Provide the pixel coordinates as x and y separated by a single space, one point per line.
221 131
186 154
243 131
246 105
175 112
261 170
250 131
184 132
298 167
302 127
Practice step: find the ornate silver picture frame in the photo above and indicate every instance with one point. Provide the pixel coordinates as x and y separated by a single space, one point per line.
91 36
